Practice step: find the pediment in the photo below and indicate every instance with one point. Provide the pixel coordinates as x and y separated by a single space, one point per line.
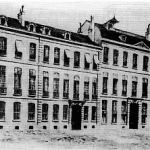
142 45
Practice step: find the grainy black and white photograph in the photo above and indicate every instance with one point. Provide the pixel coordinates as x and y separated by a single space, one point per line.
74 75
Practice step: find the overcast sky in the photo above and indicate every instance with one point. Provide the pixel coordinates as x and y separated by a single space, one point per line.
67 14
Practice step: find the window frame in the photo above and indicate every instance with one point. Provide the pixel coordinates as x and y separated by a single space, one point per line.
124 112
32 52
56 59
44 112
134 61
65 112
115 57
31 113
16 110
104 111
145 63
94 113
106 55
2 110
125 59
55 112
3 89
3 46
76 60
86 113
114 112
45 84
144 113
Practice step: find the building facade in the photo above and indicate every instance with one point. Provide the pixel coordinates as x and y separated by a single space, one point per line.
48 77
125 75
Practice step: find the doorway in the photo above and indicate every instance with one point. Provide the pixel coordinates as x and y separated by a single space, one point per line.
133 120
76 117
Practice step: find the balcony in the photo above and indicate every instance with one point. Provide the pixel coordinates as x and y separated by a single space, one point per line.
3 90
76 96
66 95
45 94
17 92
32 93
55 94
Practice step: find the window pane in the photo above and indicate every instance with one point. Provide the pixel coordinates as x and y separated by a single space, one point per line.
55 112
44 111
105 55
65 112
56 55
115 57
16 111
76 59
2 110
32 51
86 109
31 111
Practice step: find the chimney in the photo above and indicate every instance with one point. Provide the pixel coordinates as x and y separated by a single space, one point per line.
21 16
147 34
91 28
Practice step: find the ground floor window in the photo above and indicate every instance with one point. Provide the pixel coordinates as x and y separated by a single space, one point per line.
104 111
44 112
124 112
86 109
16 110
93 113
55 112
2 110
114 111
65 112
144 113
31 111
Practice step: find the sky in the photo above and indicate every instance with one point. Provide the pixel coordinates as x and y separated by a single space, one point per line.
133 16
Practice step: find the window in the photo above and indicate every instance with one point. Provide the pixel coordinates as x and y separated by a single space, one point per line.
114 111
44 112
134 86
124 112
115 81
115 57
16 110
94 88
3 46
32 53
105 55
56 85
124 87
86 88
87 61
66 87
2 110
145 87
125 58
56 56
144 113
45 84
145 63
105 81
76 87
31 111
76 59
55 112
65 112
104 111
3 89
32 77
17 81
94 113
67 56
18 49
134 66
86 110
46 54
95 62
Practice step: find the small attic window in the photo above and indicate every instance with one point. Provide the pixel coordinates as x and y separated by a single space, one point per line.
47 31
67 36
3 21
123 38
31 27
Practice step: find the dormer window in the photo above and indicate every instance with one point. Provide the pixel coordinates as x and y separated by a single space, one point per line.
3 20
67 36
31 27
47 31
123 38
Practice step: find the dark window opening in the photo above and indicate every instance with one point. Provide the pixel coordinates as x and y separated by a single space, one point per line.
66 89
3 46
124 112
76 90
30 127
145 63
115 57
115 81
65 112
134 66
104 111
16 127
46 54
94 113
45 84
124 87
114 111
134 88
144 113
2 110
32 78
105 55
86 110
56 56
56 88
44 112
105 81
145 88
31 111
125 59
76 59
55 112
3 89
17 110
44 127
32 53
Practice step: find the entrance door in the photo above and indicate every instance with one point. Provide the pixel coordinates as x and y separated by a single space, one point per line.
76 117
133 122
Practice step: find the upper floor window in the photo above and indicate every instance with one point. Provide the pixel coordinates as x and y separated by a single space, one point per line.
56 56
45 84
124 86
94 88
94 113
65 112
86 111
125 59
46 54
3 88
67 56
17 110
145 87
76 59
134 66
32 78
66 86
105 55
56 85
105 82
3 46
32 53
76 87
144 113
104 111
18 49
55 112
115 85
87 61
31 111
124 112
134 86
2 110
95 62
115 57
17 81
86 88
44 112
145 63
114 111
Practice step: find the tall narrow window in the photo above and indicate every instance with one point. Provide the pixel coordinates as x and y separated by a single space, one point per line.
3 46
124 112
65 112
93 113
56 56
125 59
94 89
95 62
124 87
44 112
56 85
86 110
105 80
46 54
115 57
32 78
87 61
31 111
76 87
66 86
17 81
145 63
16 110
18 49
55 112
104 111
115 82
2 110
134 86
134 66
144 113
45 84
3 88
105 55
67 57
145 87
114 111
32 53
76 59
86 88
